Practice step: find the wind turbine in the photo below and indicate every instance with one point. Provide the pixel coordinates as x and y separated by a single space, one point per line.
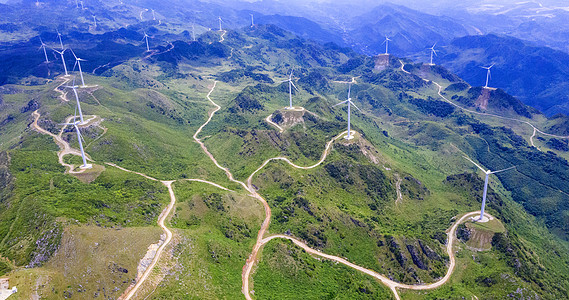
153 15
350 103
80 139
220 20
290 86
433 52
252 23
78 63
43 45
142 11
82 7
62 59
193 32
146 38
74 88
487 172
95 20
60 41
386 42
488 76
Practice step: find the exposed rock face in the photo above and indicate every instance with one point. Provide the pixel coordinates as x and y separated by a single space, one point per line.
31 106
6 179
417 260
396 250
482 101
46 246
463 233
381 62
430 253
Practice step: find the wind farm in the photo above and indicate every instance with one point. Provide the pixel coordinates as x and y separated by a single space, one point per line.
182 171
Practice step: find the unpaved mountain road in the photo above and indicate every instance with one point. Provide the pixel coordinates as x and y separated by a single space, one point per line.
261 240
486 114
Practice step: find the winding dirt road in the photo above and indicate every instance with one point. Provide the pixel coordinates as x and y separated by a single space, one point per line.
485 114
270 121
451 238
247 268
261 240
64 147
131 292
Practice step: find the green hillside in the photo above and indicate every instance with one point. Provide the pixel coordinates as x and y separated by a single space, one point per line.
382 201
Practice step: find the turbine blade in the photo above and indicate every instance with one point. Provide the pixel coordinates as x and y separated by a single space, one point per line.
340 103
503 170
352 103
479 167
294 86
80 135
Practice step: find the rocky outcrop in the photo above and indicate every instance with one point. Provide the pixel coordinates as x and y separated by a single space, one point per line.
429 252
31 106
46 245
396 250
463 233
417 260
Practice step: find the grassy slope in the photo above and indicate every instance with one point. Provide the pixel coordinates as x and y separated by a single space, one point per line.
150 133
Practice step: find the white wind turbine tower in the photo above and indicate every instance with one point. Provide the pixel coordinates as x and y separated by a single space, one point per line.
386 42
43 45
252 23
350 103
146 38
488 76
80 140
193 32
433 53
220 20
153 15
74 88
78 63
60 41
487 172
290 86
95 20
82 7
62 59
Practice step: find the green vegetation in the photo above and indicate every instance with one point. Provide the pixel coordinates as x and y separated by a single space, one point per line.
216 230
382 200
285 272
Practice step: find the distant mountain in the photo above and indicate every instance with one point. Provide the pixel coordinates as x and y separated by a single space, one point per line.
546 24
302 27
410 31
538 76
